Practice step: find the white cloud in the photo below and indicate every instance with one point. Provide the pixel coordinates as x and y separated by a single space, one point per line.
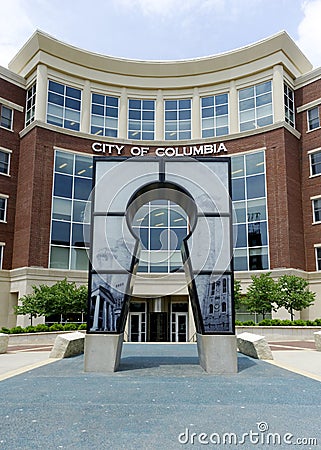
309 31
15 28
165 8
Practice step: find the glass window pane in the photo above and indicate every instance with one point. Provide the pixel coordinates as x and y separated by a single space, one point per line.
240 235
59 257
60 233
63 186
97 98
237 166
254 163
56 87
158 239
81 211
240 259
61 209
255 186
83 166
238 189
80 235
82 188
258 259
208 101
240 212
79 259
257 234
256 210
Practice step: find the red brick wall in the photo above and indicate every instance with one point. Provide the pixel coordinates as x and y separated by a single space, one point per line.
311 186
283 192
8 185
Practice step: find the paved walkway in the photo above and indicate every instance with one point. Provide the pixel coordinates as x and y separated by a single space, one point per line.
160 399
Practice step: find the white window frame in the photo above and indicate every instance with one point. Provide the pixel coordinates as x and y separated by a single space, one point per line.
316 248
6 150
317 197
310 153
2 246
4 220
287 107
12 114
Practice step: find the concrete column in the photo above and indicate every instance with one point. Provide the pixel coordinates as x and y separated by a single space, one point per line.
160 117
196 115
96 313
278 94
217 353
85 108
123 114
41 93
233 109
103 352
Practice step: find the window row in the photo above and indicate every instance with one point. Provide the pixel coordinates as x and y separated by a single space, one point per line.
255 110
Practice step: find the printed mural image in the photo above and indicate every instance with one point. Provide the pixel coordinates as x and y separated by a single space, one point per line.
161 227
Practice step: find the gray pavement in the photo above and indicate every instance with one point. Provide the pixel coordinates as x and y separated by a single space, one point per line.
160 399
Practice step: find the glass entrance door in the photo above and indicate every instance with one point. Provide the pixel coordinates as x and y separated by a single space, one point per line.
137 322
179 327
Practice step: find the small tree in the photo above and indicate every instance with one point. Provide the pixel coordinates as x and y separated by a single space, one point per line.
238 297
293 294
61 298
261 294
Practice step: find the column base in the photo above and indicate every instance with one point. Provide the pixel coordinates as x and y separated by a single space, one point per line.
217 353
103 352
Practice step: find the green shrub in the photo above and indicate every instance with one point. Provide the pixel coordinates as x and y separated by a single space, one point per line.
56 327
16 330
286 323
318 322
299 323
83 326
5 330
311 323
249 323
70 327
29 329
276 322
265 323
41 327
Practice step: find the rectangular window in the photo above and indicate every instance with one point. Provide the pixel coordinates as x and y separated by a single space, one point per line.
315 163
316 204
141 119
3 208
214 115
318 257
6 117
70 211
250 212
313 118
104 115
289 105
64 105
178 120
30 104
4 162
255 106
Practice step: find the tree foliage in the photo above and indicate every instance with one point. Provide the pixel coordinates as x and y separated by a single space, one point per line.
238 297
261 294
62 298
293 294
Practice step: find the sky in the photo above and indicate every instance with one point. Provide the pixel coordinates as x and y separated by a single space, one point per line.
160 29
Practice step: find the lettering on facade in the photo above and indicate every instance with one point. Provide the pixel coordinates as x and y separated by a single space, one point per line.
190 150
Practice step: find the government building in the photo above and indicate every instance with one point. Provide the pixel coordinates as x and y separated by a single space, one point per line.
60 106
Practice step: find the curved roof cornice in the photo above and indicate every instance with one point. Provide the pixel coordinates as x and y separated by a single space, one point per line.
42 43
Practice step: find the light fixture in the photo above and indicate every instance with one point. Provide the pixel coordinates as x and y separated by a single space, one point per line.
134 133
159 224
98 132
90 167
178 220
63 165
81 172
237 171
159 213
260 164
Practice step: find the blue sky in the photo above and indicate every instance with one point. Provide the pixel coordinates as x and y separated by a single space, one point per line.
160 29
